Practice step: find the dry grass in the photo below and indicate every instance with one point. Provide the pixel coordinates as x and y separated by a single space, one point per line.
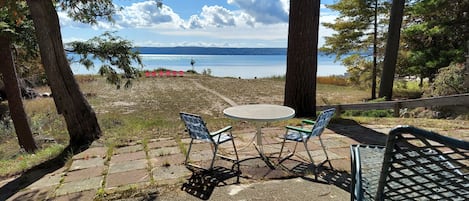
333 80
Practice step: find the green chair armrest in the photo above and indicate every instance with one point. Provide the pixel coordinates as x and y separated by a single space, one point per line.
221 130
298 129
307 121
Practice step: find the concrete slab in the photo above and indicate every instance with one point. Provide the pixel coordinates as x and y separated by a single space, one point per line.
94 152
51 179
128 149
201 155
289 189
166 142
163 151
84 173
170 175
33 194
127 178
128 156
333 143
84 195
127 166
173 159
79 186
87 163
318 155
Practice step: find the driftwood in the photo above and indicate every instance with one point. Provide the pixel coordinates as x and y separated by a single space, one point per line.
26 87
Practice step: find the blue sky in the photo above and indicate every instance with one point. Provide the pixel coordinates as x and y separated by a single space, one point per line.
207 23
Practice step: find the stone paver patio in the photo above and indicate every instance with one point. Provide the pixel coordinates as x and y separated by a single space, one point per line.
160 164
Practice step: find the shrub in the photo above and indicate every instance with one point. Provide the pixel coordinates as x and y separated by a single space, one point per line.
407 89
192 71
369 113
449 81
333 80
207 71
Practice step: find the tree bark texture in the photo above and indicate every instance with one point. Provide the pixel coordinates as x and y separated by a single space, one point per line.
466 67
392 48
300 84
15 103
80 118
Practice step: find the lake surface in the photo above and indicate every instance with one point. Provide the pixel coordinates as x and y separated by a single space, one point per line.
223 62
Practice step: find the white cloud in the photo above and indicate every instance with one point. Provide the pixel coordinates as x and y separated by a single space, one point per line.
255 20
147 15
264 11
67 21
217 16
72 39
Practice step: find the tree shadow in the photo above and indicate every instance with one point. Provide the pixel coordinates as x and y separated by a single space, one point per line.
37 172
357 132
202 182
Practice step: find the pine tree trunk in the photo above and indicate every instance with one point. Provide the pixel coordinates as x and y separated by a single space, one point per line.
300 84
466 68
15 103
392 47
80 118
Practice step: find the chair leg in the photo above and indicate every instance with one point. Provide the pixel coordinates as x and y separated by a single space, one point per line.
281 149
237 161
305 142
294 148
315 169
280 159
188 151
325 152
214 156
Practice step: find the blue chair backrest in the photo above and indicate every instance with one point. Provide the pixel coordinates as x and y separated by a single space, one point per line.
196 126
322 121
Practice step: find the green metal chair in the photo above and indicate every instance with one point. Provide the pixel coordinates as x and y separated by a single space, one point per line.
301 134
415 164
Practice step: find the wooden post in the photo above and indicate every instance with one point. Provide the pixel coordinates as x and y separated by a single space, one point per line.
338 111
397 108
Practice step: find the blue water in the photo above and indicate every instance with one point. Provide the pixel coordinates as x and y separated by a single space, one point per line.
223 62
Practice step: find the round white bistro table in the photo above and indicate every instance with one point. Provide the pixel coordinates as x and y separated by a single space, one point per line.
259 113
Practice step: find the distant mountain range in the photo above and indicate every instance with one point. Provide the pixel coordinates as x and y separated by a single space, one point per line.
211 51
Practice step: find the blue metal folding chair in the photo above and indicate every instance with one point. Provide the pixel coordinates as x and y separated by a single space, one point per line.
198 130
301 134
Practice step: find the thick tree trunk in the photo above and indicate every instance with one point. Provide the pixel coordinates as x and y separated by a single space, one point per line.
81 120
300 85
392 47
15 103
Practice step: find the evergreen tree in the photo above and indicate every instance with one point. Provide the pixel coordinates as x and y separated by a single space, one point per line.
354 42
115 53
435 34
392 47
300 84
13 26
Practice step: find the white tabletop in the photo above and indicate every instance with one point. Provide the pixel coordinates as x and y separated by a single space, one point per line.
259 112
